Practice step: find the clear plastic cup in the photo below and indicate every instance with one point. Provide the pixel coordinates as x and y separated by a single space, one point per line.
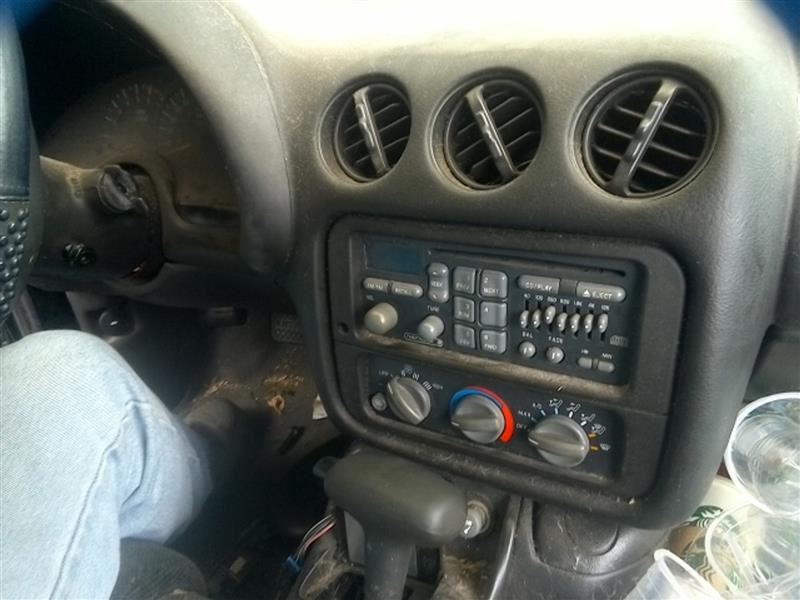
763 455
669 578
757 554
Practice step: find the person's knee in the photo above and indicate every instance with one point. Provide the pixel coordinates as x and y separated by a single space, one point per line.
68 378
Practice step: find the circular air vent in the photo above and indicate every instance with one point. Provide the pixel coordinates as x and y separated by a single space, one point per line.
371 131
647 137
492 133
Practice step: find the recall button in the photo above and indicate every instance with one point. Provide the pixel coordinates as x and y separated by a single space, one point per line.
600 291
409 290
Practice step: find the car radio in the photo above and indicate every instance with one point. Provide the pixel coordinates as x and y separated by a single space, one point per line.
572 315
528 357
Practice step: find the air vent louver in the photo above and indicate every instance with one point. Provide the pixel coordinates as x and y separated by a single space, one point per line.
647 137
372 131
492 134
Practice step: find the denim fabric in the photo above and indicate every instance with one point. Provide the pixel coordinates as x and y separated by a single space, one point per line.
88 455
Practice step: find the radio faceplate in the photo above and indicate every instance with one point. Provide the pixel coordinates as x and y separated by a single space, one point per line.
576 315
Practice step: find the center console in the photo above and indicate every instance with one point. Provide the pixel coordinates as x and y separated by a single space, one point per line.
535 362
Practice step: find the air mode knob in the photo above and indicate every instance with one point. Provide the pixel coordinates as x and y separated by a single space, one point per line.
408 399
560 441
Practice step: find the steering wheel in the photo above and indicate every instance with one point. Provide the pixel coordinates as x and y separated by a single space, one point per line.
20 210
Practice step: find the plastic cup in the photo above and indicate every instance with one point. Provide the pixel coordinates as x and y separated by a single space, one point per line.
756 553
763 455
669 578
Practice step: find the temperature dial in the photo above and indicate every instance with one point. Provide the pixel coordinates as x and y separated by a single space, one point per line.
560 441
478 418
408 399
481 416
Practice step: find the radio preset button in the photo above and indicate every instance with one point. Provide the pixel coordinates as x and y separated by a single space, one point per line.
464 336
438 282
549 314
554 354
464 280
534 283
588 323
602 323
600 291
464 309
408 290
494 314
495 342
524 318
536 319
494 284
575 323
374 284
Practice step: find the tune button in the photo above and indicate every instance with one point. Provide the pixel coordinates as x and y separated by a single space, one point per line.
430 328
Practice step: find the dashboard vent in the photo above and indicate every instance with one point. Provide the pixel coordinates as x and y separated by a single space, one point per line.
647 137
372 131
492 134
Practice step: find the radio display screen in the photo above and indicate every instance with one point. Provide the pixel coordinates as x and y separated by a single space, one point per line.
393 257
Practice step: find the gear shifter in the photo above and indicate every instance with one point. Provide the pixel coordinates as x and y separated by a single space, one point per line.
400 505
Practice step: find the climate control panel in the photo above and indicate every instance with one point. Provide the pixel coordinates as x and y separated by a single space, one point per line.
554 429
575 315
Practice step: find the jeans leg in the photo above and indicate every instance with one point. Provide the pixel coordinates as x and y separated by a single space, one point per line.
88 455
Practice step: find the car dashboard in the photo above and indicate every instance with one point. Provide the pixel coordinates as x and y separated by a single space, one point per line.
537 246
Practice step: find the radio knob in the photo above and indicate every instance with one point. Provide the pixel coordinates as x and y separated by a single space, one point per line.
478 418
408 399
430 328
381 318
560 441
